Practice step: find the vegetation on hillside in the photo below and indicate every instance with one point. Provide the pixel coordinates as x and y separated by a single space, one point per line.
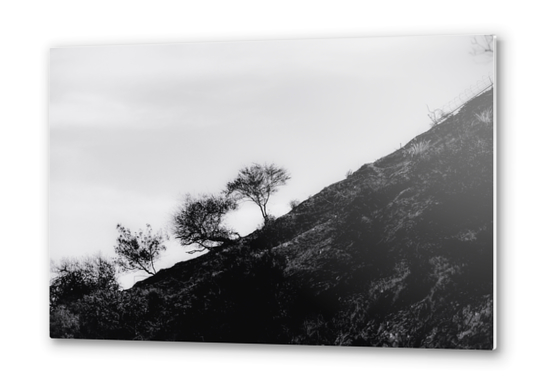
399 254
200 222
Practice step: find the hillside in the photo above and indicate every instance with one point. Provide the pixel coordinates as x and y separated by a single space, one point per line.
398 254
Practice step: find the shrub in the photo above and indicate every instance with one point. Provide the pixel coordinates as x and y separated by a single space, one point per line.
75 278
135 314
437 116
418 148
486 116
294 203
63 323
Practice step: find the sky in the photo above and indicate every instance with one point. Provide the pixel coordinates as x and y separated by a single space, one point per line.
135 128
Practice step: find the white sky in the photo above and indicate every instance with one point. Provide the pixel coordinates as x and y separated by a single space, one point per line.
135 128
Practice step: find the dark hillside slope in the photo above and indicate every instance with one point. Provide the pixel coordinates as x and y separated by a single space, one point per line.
398 254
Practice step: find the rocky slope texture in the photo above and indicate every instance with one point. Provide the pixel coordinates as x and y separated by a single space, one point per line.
398 254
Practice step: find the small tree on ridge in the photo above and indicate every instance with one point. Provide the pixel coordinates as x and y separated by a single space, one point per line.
200 222
257 183
139 251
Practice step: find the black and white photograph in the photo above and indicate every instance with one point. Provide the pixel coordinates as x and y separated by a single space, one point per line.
318 192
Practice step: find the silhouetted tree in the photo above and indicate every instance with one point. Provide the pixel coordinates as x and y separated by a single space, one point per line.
200 222
140 250
257 183
74 278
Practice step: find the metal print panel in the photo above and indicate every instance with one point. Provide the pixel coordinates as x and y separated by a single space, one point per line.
317 192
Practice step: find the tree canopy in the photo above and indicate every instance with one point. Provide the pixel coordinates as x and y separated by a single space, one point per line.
74 278
140 250
199 221
257 183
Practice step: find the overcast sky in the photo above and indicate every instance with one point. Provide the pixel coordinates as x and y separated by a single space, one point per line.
135 128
